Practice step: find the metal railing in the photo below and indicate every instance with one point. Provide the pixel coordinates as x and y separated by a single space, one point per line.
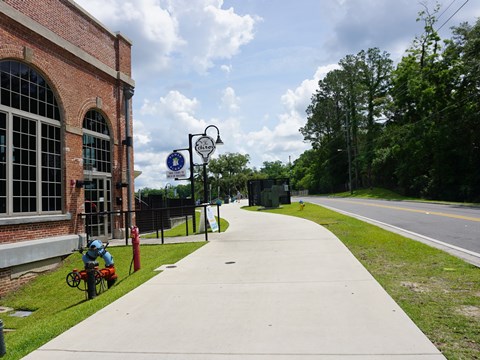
158 219
299 193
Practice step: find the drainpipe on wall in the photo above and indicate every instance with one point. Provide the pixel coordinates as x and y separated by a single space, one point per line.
127 95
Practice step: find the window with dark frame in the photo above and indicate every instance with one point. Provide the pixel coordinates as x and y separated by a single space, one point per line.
3 163
29 137
96 143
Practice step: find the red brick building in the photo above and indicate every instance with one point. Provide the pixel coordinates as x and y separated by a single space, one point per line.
65 97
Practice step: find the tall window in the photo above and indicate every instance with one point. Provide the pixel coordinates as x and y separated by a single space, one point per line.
3 163
97 159
96 143
51 168
30 143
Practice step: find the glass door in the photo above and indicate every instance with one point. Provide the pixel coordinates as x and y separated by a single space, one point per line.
98 208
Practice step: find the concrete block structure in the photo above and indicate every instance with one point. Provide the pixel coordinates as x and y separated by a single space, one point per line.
65 99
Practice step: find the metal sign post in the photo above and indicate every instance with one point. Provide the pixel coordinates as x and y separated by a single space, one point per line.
205 146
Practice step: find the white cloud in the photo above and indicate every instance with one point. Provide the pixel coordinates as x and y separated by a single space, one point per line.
173 104
214 33
193 33
141 135
296 101
227 69
284 139
230 101
372 23
153 166
152 28
277 142
192 58
169 117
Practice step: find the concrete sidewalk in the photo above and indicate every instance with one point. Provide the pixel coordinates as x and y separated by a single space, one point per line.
271 287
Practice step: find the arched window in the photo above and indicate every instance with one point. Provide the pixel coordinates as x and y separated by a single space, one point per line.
96 143
30 143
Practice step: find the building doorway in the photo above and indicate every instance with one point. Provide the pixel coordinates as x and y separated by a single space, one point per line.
97 170
98 207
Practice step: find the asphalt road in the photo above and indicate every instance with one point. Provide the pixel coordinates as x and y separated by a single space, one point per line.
454 228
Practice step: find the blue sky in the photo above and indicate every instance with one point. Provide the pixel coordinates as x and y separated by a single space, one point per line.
249 67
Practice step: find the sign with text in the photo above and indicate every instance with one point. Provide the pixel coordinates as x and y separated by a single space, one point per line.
205 146
210 218
176 166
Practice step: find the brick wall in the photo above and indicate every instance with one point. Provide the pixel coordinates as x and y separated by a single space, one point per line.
7 284
22 232
79 87
64 18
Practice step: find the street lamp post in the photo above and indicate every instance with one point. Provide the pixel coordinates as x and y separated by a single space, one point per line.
192 164
190 178
205 182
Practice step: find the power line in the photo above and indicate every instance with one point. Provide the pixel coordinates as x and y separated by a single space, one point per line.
451 16
403 87
446 9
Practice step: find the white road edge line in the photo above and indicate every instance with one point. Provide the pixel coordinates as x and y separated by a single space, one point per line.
472 253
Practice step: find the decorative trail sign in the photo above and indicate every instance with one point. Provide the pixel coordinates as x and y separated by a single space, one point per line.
175 165
205 146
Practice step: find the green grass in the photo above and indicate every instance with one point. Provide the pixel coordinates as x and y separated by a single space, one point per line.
373 193
384 194
181 230
57 307
439 292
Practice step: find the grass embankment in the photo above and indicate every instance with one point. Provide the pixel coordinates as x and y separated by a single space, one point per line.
439 292
57 307
374 193
384 194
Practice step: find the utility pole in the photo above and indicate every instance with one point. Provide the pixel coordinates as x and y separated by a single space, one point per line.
128 92
349 155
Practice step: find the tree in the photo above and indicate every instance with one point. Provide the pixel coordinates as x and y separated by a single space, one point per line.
342 118
423 84
353 100
325 129
183 191
230 173
376 69
146 191
462 53
275 170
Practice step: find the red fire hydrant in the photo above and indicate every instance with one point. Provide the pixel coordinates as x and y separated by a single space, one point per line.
135 235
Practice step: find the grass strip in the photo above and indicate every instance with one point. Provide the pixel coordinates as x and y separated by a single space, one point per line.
181 229
57 307
385 194
438 291
373 193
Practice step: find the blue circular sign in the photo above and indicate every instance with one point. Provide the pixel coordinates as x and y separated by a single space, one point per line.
175 161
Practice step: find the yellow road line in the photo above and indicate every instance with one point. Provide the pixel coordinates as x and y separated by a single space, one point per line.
413 210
